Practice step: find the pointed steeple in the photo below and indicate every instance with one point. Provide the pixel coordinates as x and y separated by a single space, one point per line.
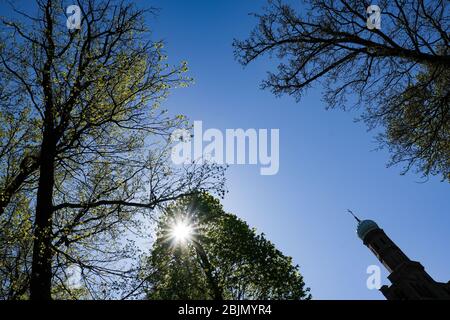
354 216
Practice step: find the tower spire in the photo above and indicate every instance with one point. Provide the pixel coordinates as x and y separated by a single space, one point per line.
354 216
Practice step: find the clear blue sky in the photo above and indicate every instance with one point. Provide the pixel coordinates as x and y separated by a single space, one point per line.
326 160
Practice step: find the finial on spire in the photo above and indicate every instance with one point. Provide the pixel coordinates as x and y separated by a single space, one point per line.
354 216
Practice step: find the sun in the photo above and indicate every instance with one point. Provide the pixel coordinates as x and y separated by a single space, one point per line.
181 231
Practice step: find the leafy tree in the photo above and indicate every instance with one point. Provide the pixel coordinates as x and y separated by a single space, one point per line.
239 262
418 126
84 147
399 73
16 240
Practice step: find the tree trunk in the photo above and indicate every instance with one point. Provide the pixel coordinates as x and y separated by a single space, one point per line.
207 268
41 267
41 274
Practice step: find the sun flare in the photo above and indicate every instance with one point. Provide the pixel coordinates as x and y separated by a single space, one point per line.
181 231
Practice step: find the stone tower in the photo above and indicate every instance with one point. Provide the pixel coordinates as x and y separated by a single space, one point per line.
409 279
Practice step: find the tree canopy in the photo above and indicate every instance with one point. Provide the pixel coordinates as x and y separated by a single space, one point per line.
243 263
84 146
398 73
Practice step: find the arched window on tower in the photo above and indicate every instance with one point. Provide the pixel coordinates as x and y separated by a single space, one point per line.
375 246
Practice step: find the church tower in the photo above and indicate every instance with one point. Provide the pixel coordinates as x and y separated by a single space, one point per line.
409 279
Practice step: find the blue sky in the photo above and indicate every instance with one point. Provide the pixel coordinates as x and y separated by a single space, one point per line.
327 162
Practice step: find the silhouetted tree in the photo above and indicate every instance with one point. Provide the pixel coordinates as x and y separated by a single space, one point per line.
85 143
399 73
222 253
